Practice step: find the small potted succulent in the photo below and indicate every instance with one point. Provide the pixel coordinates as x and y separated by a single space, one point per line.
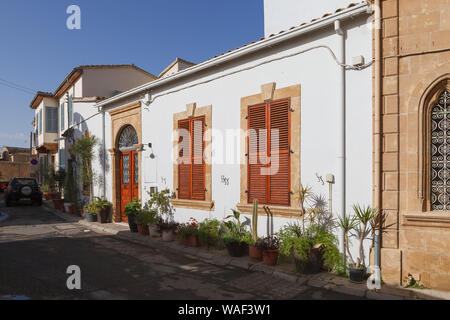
105 209
270 248
188 233
143 220
236 239
360 226
91 212
132 209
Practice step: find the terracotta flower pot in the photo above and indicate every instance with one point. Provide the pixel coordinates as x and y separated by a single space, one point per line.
270 257
48 196
255 253
143 230
73 210
192 241
58 204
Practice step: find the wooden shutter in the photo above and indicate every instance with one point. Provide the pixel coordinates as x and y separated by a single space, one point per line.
198 162
279 185
184 160
257 150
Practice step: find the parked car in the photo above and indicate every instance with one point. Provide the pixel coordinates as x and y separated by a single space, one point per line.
23 189
3 186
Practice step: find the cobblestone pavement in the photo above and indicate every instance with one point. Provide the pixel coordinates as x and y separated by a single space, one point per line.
36 248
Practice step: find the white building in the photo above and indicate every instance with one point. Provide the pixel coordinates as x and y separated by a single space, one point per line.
324 114
72 104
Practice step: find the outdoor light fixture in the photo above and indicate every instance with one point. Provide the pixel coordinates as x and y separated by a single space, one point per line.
152 155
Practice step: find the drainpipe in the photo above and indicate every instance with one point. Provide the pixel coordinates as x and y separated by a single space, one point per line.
341 169
377 133
104 153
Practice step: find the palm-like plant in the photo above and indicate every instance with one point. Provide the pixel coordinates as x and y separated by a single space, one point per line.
362 223
347 224
364 216
83 149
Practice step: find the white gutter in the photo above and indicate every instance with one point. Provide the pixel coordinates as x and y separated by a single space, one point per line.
341 132
269 42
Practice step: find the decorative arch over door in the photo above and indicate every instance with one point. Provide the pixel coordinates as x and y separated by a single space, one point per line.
128 138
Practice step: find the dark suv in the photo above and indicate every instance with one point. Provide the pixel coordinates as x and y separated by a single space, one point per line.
23 189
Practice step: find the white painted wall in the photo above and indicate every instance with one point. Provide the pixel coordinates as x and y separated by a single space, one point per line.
283 14
318 74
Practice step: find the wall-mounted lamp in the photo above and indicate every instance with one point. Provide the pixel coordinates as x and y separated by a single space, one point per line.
152 155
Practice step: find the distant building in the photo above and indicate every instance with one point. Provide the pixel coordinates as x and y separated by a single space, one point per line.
14 154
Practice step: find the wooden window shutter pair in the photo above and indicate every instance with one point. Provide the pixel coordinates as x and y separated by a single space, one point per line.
191 162
269 153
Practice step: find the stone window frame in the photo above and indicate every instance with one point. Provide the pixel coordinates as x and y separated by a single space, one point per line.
429 99
268 94
193 112
425 217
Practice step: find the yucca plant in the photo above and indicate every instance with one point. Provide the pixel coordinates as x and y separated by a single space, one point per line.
361 223
83 148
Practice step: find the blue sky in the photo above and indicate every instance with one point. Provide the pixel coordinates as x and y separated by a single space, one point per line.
37 50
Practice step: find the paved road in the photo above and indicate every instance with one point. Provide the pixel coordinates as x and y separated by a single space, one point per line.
36 248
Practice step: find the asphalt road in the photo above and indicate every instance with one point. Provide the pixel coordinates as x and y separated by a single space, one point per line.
36 248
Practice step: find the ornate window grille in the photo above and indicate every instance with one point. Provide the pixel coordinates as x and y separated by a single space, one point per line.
440 153
128 138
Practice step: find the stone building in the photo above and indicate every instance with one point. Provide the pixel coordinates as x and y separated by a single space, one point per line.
414 135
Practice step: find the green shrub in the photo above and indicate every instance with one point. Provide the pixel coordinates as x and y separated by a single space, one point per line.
133 208
146 217
209 233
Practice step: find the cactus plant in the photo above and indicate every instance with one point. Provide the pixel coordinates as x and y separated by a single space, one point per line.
255 221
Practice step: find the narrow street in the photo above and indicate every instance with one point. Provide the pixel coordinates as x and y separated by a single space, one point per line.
36 248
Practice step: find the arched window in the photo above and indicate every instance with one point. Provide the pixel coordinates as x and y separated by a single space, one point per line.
440 153
128 138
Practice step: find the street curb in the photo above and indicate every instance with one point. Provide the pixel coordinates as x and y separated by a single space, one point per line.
220 260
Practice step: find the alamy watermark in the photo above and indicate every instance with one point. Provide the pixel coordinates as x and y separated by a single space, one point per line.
73 22
74 280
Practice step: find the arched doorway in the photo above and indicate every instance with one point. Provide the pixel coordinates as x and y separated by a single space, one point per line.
129 167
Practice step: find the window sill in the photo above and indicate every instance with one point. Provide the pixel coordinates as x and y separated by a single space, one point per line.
193 204
277 211
440 219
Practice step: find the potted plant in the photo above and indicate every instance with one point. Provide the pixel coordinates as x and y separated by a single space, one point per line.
132 209
209 233
60 178
167 229
236 238
359 225
254 246
143 220
188 233
46 191
160 201
311 243
92 211
270 248
104 209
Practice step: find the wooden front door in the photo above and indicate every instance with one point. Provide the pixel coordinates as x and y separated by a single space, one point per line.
129 164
